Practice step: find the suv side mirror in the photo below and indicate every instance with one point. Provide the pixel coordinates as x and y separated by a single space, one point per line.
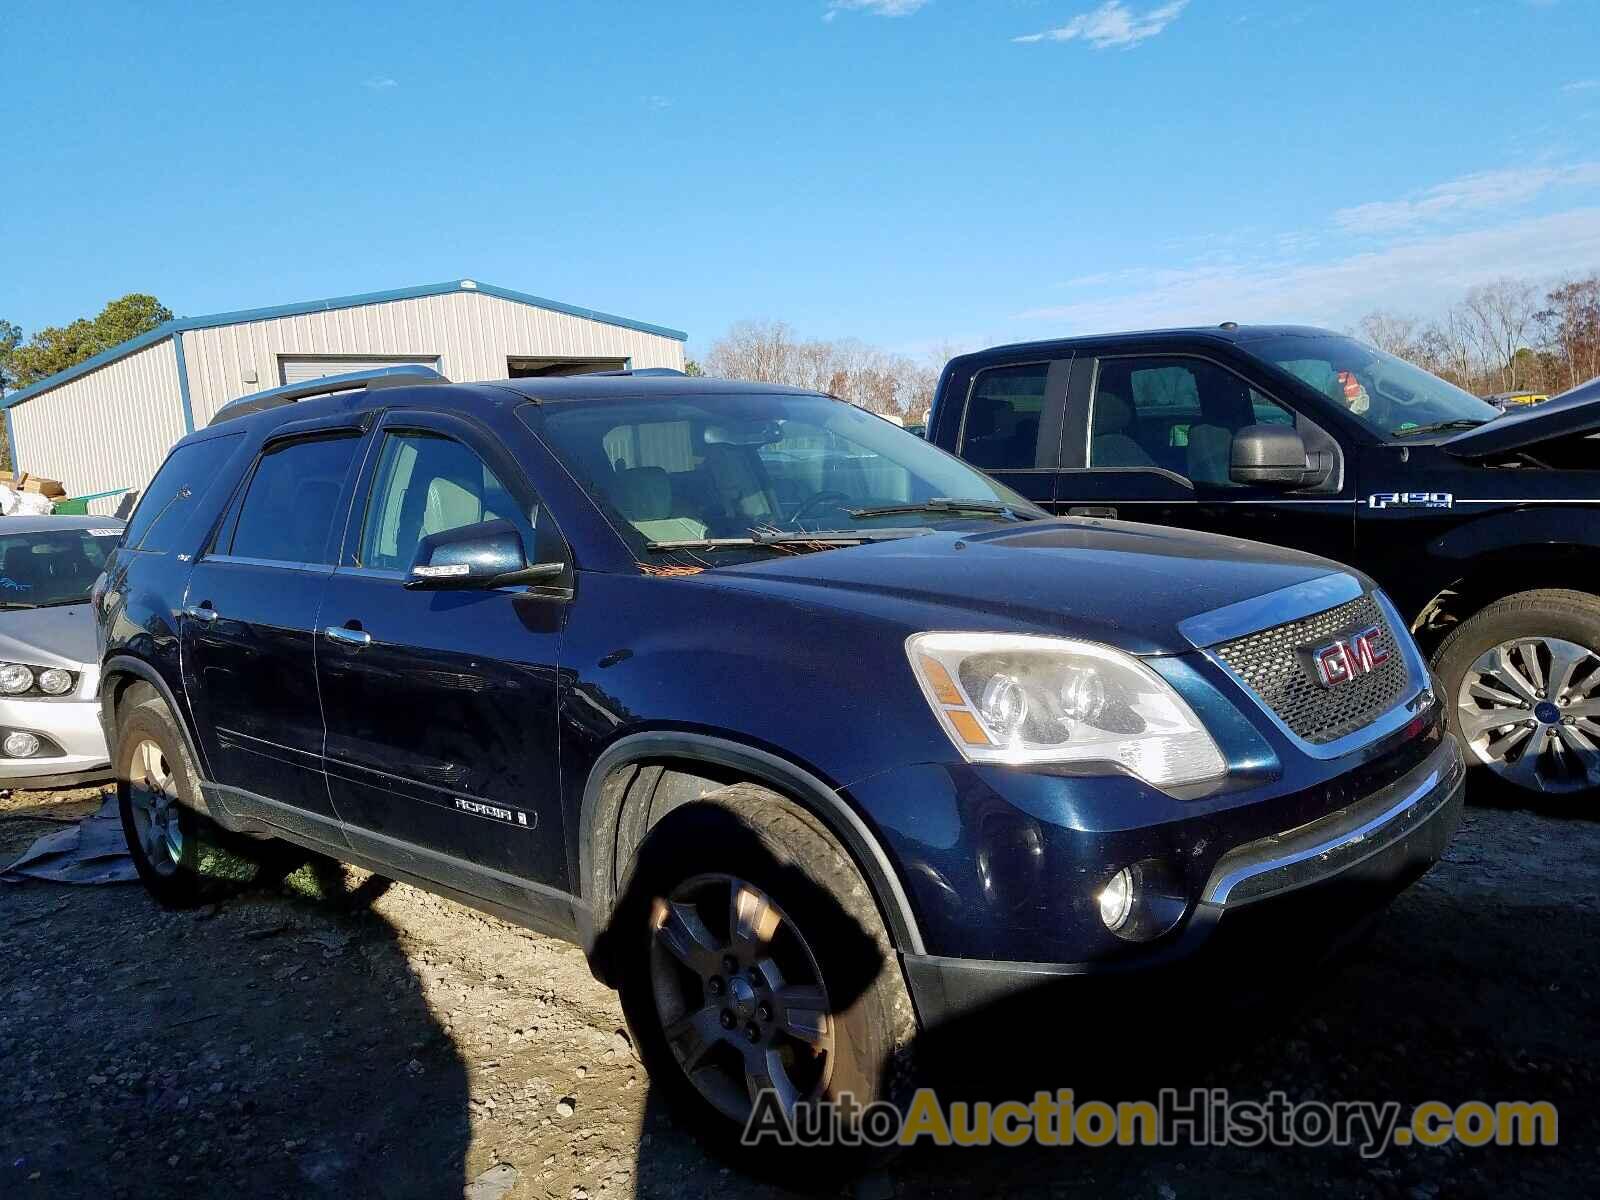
486 555
1274 456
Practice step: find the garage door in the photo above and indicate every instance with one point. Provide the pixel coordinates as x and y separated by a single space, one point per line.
300 368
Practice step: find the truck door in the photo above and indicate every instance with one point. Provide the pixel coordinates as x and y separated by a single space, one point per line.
1148 437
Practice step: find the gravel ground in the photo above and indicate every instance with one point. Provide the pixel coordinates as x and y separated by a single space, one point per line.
340 1036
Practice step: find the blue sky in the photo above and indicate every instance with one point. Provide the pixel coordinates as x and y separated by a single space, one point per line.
911 172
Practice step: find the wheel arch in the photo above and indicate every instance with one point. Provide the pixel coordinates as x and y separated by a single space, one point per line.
121 672
1495 575
614 807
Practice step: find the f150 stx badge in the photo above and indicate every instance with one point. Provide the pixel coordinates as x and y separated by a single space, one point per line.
1411 500
1345 659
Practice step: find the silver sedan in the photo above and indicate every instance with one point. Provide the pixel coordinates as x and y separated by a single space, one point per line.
50 734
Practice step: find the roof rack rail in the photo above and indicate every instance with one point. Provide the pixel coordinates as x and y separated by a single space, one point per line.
409 373
641 371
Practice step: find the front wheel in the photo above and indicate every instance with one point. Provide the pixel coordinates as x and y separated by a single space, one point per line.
758 975
1521 682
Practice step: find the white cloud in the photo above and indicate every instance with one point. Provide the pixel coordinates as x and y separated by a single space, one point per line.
1421 274
1581 85
1484 191
381 83
878 8
1112 24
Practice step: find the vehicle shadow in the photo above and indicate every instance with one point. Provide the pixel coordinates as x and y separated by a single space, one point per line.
304 1059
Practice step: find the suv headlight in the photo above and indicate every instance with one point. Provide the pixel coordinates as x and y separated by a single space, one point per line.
1017 699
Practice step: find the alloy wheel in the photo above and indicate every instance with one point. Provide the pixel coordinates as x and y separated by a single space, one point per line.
739 995
1529 709
154 804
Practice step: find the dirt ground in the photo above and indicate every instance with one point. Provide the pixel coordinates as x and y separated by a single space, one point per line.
339 1036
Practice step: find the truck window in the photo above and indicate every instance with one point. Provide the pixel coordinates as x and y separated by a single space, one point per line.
1174 414
1001 430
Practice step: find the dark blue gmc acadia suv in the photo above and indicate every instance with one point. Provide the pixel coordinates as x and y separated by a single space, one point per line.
812 735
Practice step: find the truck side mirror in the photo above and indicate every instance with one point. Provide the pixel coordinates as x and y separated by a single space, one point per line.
1272 456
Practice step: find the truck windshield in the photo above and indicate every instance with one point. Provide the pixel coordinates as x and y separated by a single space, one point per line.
739 475
1390 396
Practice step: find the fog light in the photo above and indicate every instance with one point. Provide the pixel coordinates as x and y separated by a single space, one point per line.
1116 900
55 682
21 745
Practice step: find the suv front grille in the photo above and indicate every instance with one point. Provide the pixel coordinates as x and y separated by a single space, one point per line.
1277 665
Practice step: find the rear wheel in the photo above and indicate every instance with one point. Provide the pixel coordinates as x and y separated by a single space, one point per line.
156 791
756 967
1522 683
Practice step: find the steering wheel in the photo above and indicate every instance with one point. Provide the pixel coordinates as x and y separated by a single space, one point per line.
816 500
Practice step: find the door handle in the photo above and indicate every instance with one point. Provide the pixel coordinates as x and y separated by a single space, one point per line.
348 637
203 613
1093 510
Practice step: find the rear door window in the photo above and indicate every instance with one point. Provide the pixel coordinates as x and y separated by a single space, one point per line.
1004 416
288 510
174 494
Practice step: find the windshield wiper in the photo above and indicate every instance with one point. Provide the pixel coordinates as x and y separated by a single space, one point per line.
1439 427
950 504
829 537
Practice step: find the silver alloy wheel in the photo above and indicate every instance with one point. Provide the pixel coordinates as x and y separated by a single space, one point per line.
154 803
1530 710
739 995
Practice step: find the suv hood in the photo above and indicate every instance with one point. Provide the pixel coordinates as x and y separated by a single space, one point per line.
1571 413
1124 584
62 636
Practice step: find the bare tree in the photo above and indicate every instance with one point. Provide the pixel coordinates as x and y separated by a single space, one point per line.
1572 328
1501 314
1390 332
874 379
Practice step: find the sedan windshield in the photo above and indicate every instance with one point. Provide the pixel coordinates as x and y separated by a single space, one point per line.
1390 396
734 476
49 567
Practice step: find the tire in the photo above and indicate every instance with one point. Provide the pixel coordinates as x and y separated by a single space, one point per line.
805 908
1521 687
157 789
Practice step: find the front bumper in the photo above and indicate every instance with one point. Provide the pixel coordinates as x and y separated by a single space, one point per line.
1295 895
75 744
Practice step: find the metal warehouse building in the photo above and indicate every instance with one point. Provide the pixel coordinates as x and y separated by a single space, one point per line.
104 426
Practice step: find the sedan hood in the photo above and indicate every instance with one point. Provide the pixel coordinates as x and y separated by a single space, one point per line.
63 636
1123 584
1572 413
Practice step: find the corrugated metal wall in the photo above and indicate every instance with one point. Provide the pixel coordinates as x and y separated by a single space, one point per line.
471 333
107 429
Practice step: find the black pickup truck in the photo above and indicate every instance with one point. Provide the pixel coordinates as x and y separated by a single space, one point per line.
1483 527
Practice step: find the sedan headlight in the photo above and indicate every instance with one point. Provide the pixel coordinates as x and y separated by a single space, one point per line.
15 679
55 682
1017 699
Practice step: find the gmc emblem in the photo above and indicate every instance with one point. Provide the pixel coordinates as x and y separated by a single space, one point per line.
1350 657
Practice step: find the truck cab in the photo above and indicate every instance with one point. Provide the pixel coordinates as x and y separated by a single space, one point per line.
1480 525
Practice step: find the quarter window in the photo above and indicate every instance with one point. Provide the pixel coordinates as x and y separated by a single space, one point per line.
427 484
169 501
1001 431
289 508
1174 414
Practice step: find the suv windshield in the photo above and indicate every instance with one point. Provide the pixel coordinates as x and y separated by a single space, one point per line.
56 566
1387 394
753 473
